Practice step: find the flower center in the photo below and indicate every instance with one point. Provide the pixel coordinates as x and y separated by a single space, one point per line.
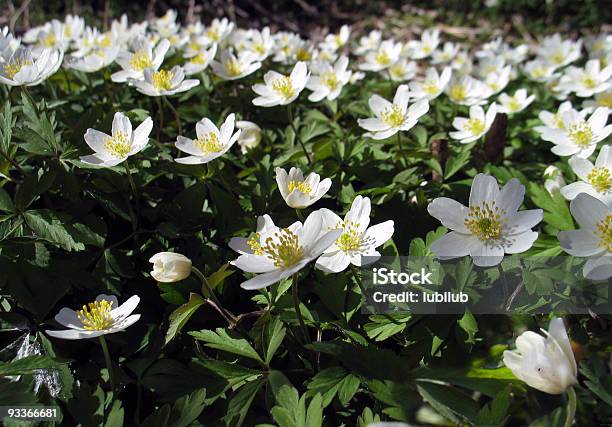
283 87
284 250
558 58
199 59
302 55
458 92
558 121
485 222
396 71
581 134
233 67
140 60
330 80
162 79
474 126
538 72
14 67
350 240
213 34
119 145
604 231
589 82
209 143
259 48
393 116
383 58
600 179
49 40
96 316
430 87
514 105
104 42
302 186
605 100
254 244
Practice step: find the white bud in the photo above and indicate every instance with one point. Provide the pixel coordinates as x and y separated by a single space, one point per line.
170 267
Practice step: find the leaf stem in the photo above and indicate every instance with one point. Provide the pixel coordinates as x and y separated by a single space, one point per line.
179 126
298 311
229 317
297 135
401 148
109 366
571 407
135 193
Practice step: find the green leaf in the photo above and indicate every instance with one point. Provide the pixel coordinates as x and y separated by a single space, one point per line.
239 404
6 204
221 340
179 317
187 409
32 187
47 225
28 365
449 402
217 278
274 334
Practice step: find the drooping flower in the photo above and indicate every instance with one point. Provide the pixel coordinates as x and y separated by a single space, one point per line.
595 180
133 63
211 142
477 125
164 82
250 136
101 317
391 118
278 253
327 81
232 67
593 239
489 227
298 192
169 267
357 240
515 103
22 68
121 144
546 362
280 89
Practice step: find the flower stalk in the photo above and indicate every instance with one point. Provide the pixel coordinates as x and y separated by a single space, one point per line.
107 359
298 311
297 135
571 407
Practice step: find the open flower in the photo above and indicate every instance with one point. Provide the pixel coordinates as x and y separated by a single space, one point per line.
250 136
333 42
587 81
123 143
95 60
402 70
577 135
232 67
133 63
169 267
101 317
554 120
393 117
22 68
211 142
387 54
432 85
490 227
595 180
278 253
466 90
299 192
199 61
477 125
327 81
357 239
164 82
546 362
420 49
515 103
593 239
280 89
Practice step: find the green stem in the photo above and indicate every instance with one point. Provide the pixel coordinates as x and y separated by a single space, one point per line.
571 407
300 215
179 127
109 366
297 135
401 148
229 317
298 311
135 193
160 114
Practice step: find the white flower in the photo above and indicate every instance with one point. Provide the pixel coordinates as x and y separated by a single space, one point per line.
559 52
251 244
22 68
554 120
448 52
402 70
593 239
540 71
602 99
200 61
466 90
299 192
94 61
169 267
357 239
498 80
52 36
595 180
428 43
382 58
114 149
334 42
101 317
164 82
578 136
391 118
234 67
433 84
587 81
73 26
250 137
144 56
369 42
327 81
546 362
218 31
260 44
280 89
278 253
211 142
477 125
490 227
515 103
553 179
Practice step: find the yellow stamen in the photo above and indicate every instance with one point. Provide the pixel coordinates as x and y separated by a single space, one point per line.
430 87
514 105
14 67
558 58
283 87
302 54
589 82
209 143
104 42
141 60
199 59
233 67
119 145
383 58
581 134
393 116
49 40
330 80
458 92
96 316
604 232
302 186
605 100
254 244
285 250
162 79
600 179
350 240
485 221
474 126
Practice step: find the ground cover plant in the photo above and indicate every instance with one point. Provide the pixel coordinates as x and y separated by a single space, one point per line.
188 210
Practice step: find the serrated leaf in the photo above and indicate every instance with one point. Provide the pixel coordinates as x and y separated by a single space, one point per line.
221 340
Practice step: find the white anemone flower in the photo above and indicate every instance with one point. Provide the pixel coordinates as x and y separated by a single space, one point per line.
357 240
260 43
73 26
554 120
432 85
250 245
94 61
466 90
298 192
101 317
490 227
587 81
327 81
110 150
369 42
391 118
423 48
279 89
515 103
402 70
133 63
559 52
595 180
553 179
22 68
498 80
602 99
477 125
200 61
278 253
540 71
447 54
337 41
218 30
545 363
578 136
211 142
593 239
250 136
232 67
387 54
164 82
52 37
170 267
